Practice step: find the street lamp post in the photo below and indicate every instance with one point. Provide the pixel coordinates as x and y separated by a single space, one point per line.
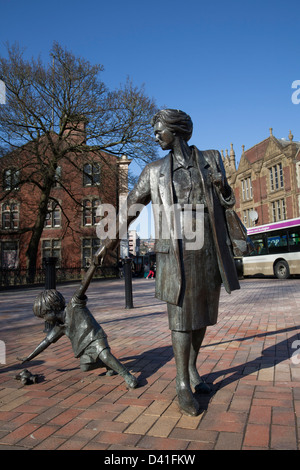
128 283
50 281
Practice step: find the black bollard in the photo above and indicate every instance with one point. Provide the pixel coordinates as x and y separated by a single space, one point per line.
50 281
128 283
50 274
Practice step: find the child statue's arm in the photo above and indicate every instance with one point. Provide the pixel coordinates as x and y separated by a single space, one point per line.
52 337
96 261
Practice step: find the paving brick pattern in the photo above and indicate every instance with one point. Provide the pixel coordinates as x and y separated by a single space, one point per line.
247 358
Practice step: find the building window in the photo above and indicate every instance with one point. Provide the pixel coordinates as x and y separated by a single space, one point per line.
89 248
90 212
278 210
276 177
9 254
53 218
51 248
247 219
246 189
11 179
10 215
91 174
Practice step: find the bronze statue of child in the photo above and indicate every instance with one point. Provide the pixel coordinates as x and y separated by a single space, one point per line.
88 339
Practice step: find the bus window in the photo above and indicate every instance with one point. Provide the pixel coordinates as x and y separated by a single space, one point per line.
277 242
259 246
294 240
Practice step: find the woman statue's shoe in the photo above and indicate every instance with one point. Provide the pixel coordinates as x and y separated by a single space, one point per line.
198 383
202 387
187 403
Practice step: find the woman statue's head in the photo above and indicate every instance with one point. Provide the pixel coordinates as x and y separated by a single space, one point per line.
176 121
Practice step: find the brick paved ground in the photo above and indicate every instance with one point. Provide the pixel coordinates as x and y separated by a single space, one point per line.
255 403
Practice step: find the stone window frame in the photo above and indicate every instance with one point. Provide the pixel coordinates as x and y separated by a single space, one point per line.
91 211
11 178
276 179
53 251
54 209
91 174
247 190
278 210
89 246
14 209
246 217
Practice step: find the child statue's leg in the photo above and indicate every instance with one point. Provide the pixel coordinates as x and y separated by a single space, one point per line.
113 363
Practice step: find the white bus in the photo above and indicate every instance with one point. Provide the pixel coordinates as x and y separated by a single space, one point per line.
276 250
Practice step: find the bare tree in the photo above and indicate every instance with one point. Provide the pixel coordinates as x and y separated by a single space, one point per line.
62 111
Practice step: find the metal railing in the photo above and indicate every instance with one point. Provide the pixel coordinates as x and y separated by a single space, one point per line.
20 277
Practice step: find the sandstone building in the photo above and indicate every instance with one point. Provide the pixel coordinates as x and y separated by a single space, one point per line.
266 181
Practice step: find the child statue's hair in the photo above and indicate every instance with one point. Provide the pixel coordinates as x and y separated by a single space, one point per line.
50 300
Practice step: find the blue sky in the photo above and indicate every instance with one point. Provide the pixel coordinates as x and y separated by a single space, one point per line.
229 64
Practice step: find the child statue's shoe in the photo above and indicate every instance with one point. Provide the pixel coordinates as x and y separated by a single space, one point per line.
130 380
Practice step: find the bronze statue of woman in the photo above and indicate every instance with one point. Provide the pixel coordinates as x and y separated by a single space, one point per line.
188 277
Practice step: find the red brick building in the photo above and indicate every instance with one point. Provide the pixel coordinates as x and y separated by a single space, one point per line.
266 181
83 181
